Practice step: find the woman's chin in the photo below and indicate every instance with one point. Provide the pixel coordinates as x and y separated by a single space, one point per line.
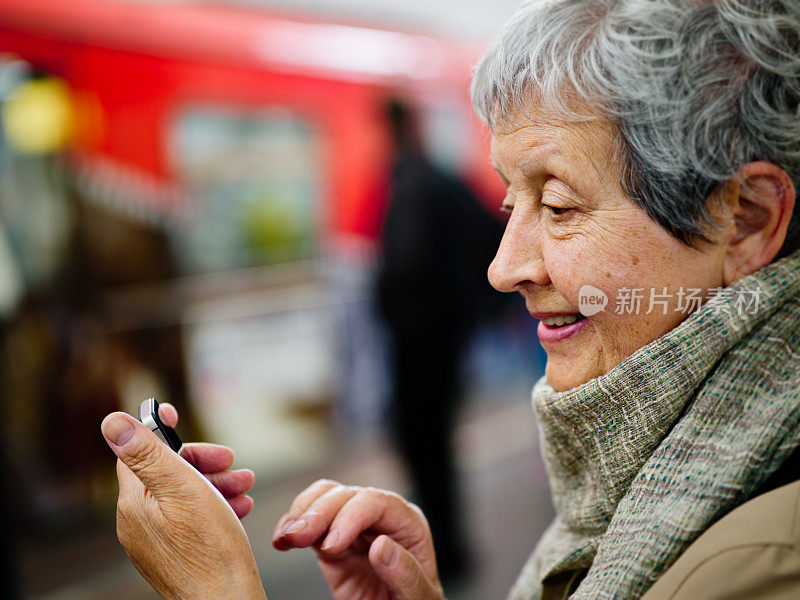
565 375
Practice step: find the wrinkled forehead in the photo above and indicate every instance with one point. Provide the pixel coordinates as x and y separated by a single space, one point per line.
537 133
565 109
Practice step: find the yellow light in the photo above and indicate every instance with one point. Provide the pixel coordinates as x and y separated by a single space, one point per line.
37 119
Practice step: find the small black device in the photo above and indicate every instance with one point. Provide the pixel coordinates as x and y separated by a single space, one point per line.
148 414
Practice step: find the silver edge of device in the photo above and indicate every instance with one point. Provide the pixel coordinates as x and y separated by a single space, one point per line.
146 414
146 410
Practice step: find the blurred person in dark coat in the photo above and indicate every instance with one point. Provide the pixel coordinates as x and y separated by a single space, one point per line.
438 242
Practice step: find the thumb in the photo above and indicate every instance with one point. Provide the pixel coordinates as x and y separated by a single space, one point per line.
401 572
142 452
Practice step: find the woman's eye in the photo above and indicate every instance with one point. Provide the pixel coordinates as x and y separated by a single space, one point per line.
556 210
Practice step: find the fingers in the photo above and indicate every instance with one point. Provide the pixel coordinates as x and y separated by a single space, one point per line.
401 572
213 461
337 519
241 505
377 510
208 458
310 516
147 457
305 498
342 514
168 414
299 505
232 483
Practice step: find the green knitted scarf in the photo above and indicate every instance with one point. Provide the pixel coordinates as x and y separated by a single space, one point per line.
644 458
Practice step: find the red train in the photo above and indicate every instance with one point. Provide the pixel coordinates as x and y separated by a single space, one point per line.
142 75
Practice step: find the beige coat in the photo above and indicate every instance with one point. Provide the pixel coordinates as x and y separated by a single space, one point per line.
752 553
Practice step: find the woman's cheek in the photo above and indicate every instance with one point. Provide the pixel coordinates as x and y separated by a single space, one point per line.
602 260
579 272
568 264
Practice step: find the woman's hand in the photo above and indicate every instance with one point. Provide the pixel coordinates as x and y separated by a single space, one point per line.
177 528
370 544
214 462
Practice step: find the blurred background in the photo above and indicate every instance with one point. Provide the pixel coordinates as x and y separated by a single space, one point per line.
193 201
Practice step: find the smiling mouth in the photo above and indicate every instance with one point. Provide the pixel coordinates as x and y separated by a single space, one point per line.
561 321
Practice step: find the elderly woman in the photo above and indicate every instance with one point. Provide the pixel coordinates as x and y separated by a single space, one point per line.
649 150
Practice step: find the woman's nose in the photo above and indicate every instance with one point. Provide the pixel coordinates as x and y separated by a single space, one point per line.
518 260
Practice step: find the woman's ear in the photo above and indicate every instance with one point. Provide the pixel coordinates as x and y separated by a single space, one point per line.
760 199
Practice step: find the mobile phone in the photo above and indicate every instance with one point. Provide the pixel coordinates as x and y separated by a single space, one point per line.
148 414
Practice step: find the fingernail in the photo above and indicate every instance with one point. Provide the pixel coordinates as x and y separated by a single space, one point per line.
284 527
388 553
118 430
297 526
330 541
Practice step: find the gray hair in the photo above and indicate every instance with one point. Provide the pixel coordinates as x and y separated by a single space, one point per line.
696 88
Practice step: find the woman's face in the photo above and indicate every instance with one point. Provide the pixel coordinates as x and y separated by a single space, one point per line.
571 225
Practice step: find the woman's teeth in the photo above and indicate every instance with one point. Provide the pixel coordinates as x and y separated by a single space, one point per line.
559 321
